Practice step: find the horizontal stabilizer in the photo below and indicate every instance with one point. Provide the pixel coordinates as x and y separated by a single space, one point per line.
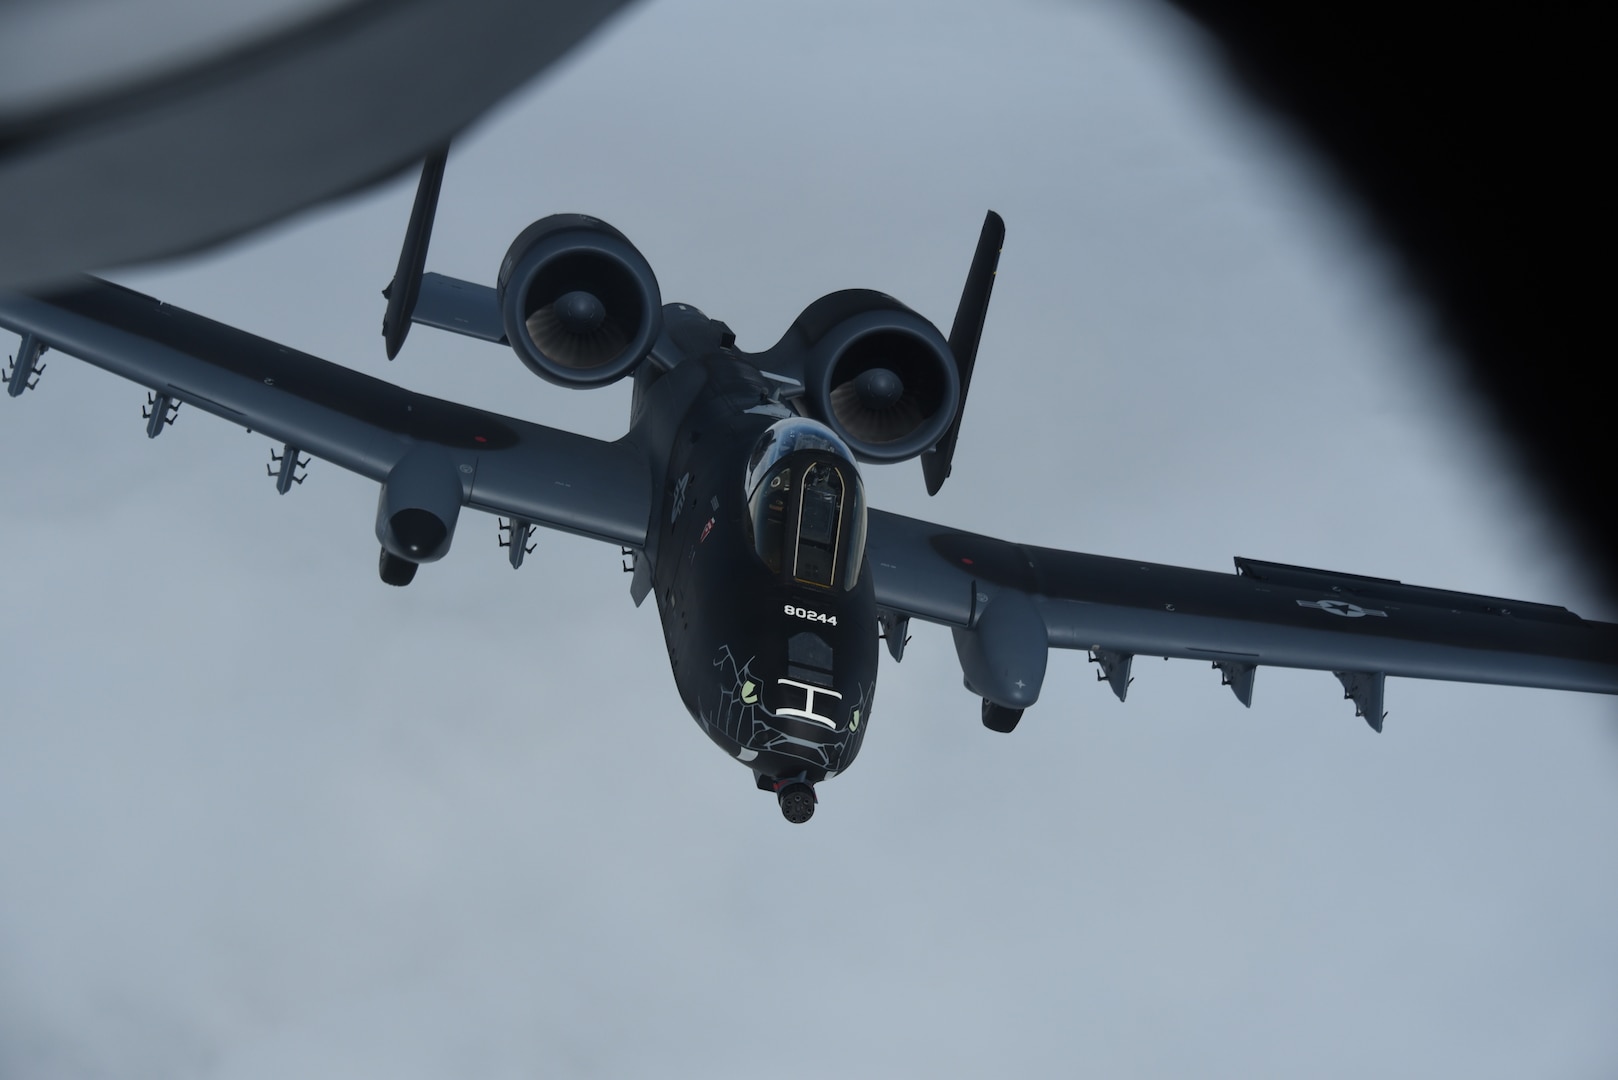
461 307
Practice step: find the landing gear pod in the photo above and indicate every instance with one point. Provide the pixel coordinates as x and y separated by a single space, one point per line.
416 511
580 305
1003 656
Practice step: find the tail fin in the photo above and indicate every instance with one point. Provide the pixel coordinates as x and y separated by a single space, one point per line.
405 287
963 342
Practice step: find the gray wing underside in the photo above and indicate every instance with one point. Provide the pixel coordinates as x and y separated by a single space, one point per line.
510 467
1008 604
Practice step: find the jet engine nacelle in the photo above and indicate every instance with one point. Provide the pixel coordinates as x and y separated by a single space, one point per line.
875 372
580 305
419 505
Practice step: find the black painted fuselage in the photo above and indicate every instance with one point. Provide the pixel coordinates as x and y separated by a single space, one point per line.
757 564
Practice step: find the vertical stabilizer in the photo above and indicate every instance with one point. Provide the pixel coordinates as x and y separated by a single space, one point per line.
963 342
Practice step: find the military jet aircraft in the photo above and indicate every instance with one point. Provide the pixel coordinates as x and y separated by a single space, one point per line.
737 499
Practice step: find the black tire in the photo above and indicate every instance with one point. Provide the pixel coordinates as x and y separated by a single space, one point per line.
999 718
394 570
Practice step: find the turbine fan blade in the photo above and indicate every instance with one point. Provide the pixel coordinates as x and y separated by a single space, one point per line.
881 414
564 334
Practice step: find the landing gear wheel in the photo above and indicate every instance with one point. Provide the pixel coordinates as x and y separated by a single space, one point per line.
797 801
394 570
1000 718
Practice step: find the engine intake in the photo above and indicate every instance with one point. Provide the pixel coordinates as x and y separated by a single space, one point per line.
580 304
877 373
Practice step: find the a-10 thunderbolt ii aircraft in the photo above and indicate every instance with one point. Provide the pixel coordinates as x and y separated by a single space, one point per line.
737 494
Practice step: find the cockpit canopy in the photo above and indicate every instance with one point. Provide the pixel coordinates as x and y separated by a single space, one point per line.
806 504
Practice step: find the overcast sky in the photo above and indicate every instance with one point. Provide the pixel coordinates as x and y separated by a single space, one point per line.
262 816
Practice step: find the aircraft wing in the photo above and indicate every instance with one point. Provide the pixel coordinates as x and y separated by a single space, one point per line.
207 120
1008 604
506 466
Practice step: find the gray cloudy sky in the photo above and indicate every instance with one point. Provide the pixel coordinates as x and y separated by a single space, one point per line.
265 817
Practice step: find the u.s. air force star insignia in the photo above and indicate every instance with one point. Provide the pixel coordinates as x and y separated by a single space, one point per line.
679 497
1343 608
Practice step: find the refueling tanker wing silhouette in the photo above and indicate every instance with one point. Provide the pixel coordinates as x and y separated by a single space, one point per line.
167 145
209 121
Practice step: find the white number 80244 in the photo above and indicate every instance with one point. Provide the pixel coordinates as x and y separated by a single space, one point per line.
812 616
